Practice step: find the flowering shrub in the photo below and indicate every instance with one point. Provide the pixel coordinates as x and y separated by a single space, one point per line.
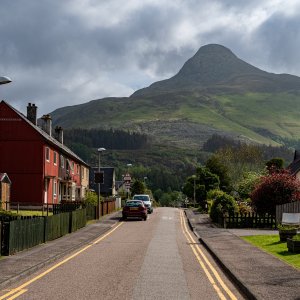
244 207
275 189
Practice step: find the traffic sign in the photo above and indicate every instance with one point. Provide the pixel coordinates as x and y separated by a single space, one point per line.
127 177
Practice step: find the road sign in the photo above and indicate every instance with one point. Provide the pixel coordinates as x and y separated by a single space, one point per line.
99 177
127 177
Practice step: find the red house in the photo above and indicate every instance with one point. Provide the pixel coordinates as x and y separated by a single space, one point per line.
41 167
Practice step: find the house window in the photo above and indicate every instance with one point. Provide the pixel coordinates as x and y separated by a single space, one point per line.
54 158
54 188
77 169
72 167
62 162
67 165
82 172
47 154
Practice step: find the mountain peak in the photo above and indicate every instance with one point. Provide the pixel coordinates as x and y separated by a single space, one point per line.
212 65
214 49
210 59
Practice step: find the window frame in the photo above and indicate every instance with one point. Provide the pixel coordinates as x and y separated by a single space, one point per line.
47 154
62 162
55 158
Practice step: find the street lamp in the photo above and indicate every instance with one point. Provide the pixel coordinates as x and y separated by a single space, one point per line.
128 188
99 200
194 196
128 166
4 80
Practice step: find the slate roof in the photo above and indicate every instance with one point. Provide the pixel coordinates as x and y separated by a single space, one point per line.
119 184
294 167
48 138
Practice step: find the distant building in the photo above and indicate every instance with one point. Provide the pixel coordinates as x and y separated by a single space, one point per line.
108 187
294 167
41 167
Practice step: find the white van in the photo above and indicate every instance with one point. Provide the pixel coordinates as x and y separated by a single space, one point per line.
147 201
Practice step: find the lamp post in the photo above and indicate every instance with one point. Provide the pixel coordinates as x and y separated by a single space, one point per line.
128 188
194 195
4 80
99 199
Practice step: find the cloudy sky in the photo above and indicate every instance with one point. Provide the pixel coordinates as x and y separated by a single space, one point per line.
61 53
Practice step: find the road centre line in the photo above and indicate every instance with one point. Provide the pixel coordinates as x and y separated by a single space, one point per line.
19 293
20 290
196 249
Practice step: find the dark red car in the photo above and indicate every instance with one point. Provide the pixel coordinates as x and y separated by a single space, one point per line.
134 209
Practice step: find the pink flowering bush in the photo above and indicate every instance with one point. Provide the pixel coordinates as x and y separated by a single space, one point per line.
275 189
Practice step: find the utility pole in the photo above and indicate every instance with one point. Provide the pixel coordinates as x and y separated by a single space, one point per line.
99 189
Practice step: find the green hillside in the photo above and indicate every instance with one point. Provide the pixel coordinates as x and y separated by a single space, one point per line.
261 117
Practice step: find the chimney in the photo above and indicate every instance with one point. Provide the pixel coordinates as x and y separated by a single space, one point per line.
59 134
31 113
47 124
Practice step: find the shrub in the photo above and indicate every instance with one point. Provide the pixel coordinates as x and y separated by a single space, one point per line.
91 198
275 164
296 237
248 183
211 196
275 189
287 227
244 207
7 213
223 203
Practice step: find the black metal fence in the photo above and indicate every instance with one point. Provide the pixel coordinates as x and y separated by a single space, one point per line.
250 220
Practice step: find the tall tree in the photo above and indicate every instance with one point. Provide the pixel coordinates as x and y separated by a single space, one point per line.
215 165
138 187
200 183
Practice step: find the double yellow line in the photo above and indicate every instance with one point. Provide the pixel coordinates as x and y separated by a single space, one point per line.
211 273
14 293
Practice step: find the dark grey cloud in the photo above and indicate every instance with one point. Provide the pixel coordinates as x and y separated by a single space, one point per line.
67 52
280 40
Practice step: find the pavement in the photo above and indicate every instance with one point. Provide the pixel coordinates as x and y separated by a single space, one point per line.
257 274
15 267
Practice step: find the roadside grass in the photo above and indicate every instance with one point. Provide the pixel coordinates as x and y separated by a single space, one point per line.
31 213
272 245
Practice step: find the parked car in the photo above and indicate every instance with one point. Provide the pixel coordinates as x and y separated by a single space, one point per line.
134 209
147 201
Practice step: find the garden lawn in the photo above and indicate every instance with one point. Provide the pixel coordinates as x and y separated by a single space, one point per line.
272 245
31 213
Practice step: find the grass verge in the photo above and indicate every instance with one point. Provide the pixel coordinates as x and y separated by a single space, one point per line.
272 245
31 213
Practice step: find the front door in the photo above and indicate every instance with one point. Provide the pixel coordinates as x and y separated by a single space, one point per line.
46 190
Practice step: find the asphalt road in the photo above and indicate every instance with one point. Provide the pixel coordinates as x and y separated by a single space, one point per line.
156 259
